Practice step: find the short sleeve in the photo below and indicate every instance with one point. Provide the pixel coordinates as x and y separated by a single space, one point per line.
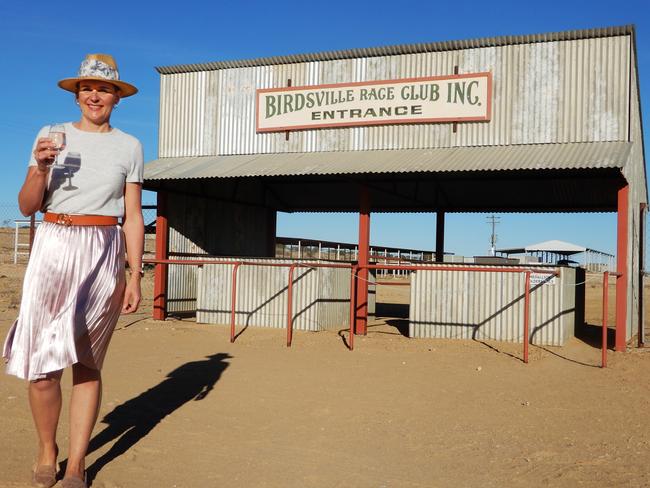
136 172
41 133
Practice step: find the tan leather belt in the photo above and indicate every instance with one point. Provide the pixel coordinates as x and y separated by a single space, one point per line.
67 219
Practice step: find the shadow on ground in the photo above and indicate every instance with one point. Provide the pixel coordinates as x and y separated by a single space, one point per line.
131 421
592 334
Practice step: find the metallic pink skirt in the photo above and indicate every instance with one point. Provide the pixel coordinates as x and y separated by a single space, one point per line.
72 297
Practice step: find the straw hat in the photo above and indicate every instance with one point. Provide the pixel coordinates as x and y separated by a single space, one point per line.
100 67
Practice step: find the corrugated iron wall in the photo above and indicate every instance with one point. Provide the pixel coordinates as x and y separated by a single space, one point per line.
199 228
181 279
490 306
550 92
321 297
634 174
189 93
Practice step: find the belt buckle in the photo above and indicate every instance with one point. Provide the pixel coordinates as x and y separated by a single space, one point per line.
64 219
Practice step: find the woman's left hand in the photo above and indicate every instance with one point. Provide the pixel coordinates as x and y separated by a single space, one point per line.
132 295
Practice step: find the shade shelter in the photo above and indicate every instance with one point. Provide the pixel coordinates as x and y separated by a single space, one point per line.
555 250
536 123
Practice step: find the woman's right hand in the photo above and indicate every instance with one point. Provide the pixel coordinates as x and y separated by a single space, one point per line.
44 153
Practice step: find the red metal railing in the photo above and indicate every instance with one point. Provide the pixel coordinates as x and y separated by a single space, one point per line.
233 301
442 267
353 303
606 275
353 284
526 338
236 265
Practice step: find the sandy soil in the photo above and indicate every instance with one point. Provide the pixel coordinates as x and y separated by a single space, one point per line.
183 408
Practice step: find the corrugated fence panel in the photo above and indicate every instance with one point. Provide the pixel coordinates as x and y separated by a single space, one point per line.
320 297
334 301
186 217
550 92
490 305
306 299
181 279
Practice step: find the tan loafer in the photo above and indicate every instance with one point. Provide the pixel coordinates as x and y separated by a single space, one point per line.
44 476
73 482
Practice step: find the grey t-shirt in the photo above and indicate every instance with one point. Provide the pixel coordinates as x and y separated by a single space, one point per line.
96 167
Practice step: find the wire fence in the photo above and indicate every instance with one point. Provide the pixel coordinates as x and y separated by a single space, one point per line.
9 213
14 232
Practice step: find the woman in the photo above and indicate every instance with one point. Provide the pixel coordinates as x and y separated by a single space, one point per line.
75 284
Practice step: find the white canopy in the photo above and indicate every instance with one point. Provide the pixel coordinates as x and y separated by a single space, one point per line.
553 246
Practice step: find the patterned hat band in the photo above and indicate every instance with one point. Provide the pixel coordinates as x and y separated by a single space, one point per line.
98 69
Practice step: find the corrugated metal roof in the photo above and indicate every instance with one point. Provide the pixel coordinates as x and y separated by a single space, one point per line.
556 246
588 155
403 49
560 247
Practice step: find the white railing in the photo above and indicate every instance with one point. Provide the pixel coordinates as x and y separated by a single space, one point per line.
21 224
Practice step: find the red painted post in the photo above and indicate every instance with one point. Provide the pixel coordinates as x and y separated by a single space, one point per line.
160 272
603 361
527 317
353 306
363 260
621 269
290 305
233 300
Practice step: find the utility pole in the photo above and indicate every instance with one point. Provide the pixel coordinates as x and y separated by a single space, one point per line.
493 220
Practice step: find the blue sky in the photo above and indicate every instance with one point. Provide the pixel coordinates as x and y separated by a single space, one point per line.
42 44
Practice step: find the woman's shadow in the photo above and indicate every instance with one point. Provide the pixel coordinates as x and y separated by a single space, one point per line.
134 419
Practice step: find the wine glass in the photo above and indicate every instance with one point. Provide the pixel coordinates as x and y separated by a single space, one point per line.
57 135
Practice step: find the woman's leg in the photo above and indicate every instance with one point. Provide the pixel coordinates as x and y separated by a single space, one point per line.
45 402
84 407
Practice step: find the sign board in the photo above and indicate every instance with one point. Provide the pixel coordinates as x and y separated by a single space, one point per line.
453 98
537 279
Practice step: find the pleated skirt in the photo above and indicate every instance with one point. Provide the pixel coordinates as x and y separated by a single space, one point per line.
72 297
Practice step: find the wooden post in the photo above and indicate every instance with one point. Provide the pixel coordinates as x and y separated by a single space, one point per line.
271 231
455 124
286 133
440 236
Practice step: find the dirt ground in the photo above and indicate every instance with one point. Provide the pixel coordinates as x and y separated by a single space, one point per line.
183 407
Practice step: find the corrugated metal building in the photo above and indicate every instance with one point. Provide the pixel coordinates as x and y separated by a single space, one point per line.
563 134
